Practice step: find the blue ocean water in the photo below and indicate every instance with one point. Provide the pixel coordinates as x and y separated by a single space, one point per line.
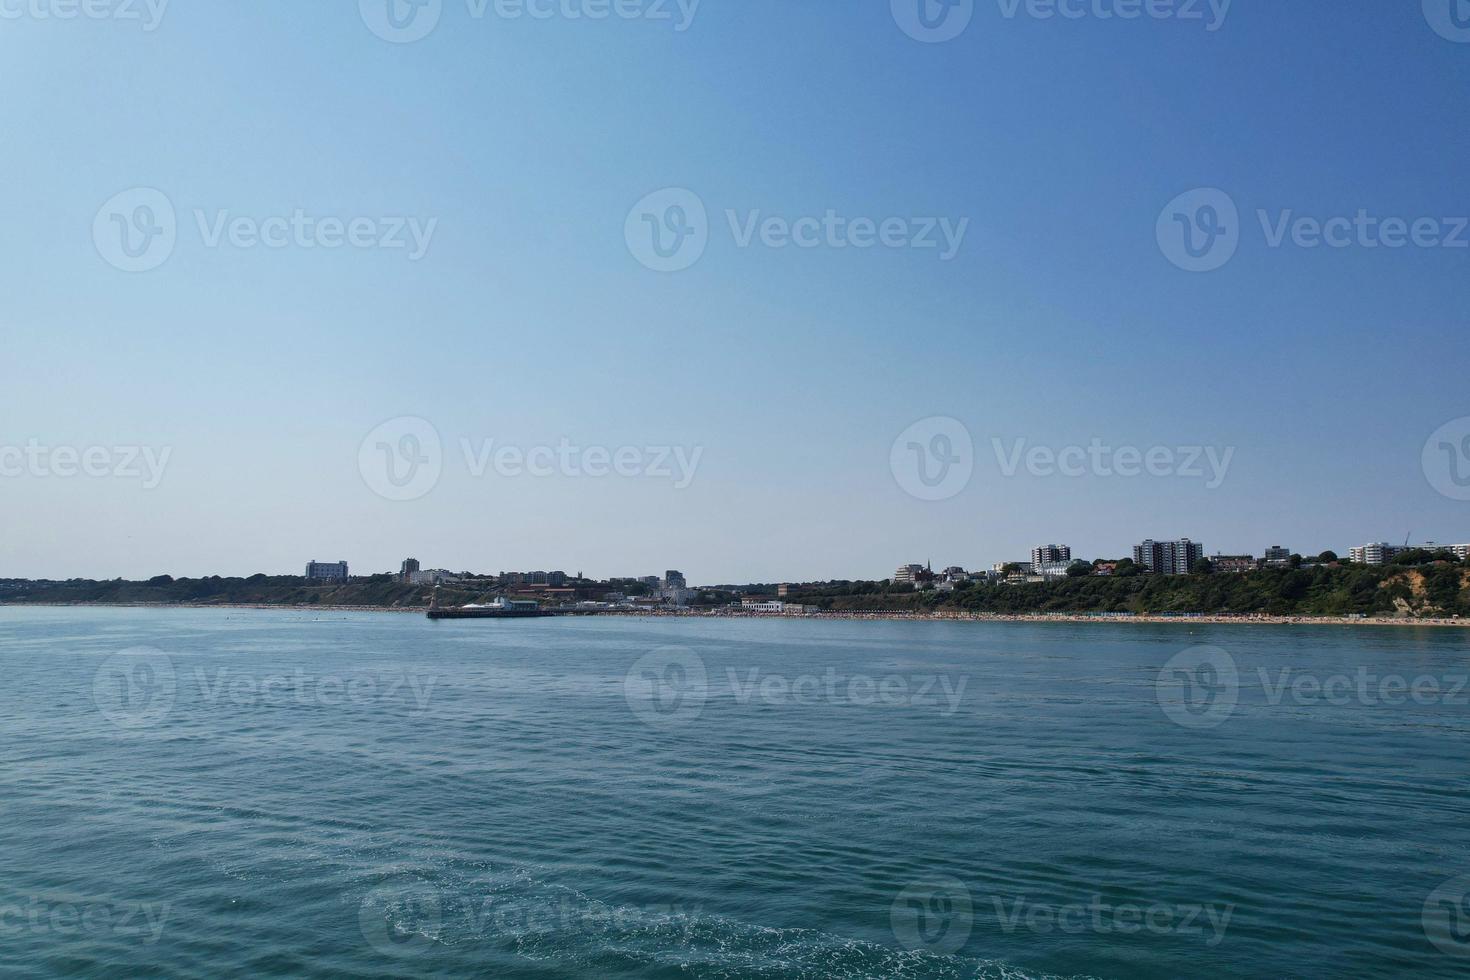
292 794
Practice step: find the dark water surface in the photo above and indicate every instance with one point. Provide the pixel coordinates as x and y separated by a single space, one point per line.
286 794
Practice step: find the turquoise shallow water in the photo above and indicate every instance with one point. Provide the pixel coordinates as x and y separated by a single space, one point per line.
194 793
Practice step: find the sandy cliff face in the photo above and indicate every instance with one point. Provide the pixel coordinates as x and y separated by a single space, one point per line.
1417 599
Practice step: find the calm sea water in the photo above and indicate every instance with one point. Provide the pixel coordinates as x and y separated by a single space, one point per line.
284 794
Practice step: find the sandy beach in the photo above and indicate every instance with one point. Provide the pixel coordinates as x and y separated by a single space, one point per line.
895 615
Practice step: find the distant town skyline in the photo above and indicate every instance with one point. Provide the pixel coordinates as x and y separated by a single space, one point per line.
1175 557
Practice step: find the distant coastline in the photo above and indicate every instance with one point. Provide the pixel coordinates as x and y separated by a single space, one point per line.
1432 592
877 615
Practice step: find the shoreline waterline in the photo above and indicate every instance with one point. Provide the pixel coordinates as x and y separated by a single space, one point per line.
844 615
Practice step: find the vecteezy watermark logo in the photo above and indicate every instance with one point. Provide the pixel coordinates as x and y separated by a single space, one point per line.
653 11
401 21
936 21
135 688
1446 916
401 917
1449 18
149 13
406 916
1446 459
667 688
307 231
1199 230
143 463
1362 230
676 463
1199 687
405 21
1363 688
933 21
67 917
836 231
136 229
402 459
1102 918
668 230
221 685
895 690
933 459
1180 10
1097 459
933 916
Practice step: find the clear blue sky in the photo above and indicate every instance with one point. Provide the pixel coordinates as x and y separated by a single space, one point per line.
529 320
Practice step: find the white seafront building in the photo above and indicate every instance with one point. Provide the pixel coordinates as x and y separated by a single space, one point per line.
1381 552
